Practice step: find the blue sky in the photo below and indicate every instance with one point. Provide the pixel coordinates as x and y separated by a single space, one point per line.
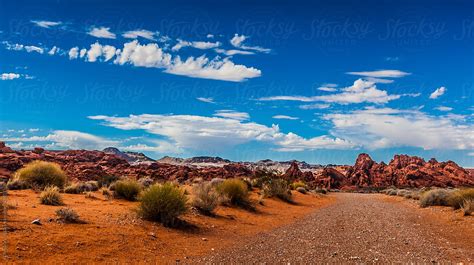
320 81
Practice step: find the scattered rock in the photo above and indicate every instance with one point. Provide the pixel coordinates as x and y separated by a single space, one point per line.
36 222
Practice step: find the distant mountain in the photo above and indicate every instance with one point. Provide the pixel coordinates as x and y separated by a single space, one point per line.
131 157
197 160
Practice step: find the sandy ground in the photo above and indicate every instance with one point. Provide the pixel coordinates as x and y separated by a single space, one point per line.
113 233
362 228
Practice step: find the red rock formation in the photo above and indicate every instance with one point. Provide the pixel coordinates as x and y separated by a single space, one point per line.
330 178
407 171
294 173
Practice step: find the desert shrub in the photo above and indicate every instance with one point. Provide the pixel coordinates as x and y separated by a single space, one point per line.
40 174
438 197
468 207
162 203
72 188
68 215
205 198
235 192
458 197
301 190
90 195
278 188
263 176
107 180
297 184
16 184
393 192
127 189
106 192
197 180
146 182
51 196
401 193
216 182
80 187
320 191
248 182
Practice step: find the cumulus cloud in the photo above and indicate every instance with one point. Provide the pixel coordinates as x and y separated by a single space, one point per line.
202 67
134 34
315 106
102 32
285 117
438 92
45 23
21 47
388 127
53 50
207 100
9 76
381 73
236 115
156 146
238 42
61 139
206 133
202 45
361 91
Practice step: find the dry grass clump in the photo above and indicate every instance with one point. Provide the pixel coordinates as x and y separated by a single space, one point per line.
107 180
127 189
51 196
278 188
81 187
146 182
40 174
205 198
235 192
468 207
16 184
106 192
297 184
458 197
68 215
162 203
434 197
320 191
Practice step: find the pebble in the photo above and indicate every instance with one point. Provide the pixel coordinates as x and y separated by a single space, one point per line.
36 222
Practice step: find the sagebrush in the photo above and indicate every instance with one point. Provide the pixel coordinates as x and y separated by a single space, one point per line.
51 196
127 189
205 197
40 174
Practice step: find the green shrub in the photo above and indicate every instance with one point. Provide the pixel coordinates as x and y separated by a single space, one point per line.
81 187
162 203
68 215
468 207
51 196
205 198
458 197
297 184
127 189
235 192
439 197
106 180
40 174
16 184
278 188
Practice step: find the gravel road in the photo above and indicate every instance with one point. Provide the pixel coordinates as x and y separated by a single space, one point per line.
357 228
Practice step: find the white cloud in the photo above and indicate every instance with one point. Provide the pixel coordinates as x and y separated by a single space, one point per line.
45 23
361 91
379 80
94 52
470 154
134 34
102 32
34 49
387 127
438 92
233 52
327 89
202 45
82 53
207 100
285 117
210 36
21 47
202 67
210 133
9 76
67 139
315 106
237 41
232 115
53 50
381 73
444 108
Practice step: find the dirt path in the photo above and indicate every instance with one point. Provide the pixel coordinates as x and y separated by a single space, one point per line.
362 228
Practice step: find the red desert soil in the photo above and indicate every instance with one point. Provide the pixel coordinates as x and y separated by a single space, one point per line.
361 228
113 233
